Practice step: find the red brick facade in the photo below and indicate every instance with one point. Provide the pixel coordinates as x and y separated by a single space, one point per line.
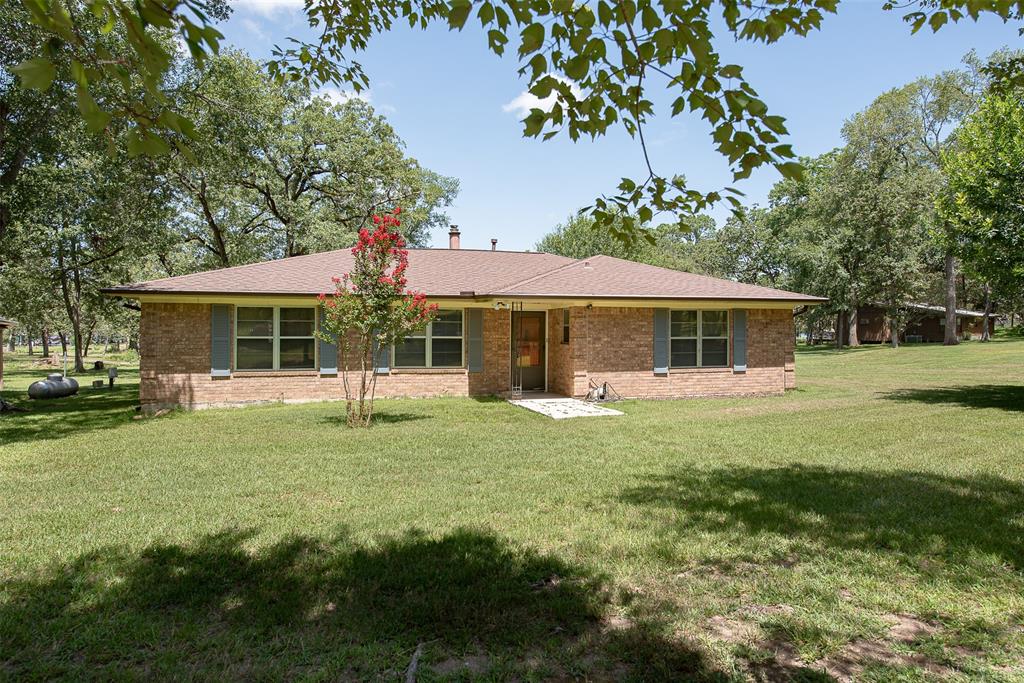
613 345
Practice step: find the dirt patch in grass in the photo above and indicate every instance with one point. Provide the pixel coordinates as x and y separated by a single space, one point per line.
474 665
849 663
906 628
732 630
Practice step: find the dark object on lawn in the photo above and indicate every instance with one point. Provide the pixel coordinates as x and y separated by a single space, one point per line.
112 375
98 365
97 384
602 393
8 407
54 386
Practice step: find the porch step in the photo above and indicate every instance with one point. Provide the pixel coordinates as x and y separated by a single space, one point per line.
563 408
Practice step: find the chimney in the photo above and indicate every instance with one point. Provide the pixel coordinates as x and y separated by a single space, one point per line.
494 244
453 237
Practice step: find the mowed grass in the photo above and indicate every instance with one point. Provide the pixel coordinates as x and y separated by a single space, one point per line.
868 525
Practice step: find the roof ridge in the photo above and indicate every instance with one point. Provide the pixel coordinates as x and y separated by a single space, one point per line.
519 283
698 275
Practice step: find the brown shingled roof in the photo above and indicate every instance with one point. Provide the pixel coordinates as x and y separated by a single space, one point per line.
465 272
6 323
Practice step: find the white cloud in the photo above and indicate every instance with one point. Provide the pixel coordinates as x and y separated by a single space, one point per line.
269 8
339 96
525 101
254 28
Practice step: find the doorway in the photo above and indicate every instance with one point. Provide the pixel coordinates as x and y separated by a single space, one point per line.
529 349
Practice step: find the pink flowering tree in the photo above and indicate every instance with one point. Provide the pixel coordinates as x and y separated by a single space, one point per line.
371 310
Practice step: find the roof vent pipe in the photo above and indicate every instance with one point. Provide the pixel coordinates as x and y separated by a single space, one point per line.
453 237
494 244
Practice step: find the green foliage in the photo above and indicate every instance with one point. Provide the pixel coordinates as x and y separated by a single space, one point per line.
984 203
600 61
275 171
370 310
690 247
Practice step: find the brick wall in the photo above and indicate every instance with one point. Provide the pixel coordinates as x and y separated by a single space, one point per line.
615 345
606 345
175 367
559 357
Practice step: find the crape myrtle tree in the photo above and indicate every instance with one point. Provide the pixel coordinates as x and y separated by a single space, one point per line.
370 311
600 60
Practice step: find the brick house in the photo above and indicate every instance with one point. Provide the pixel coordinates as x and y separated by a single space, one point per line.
4 324
925 323
507 320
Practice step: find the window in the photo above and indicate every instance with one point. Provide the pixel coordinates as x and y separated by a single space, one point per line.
269 338
438 345
699 339
565 325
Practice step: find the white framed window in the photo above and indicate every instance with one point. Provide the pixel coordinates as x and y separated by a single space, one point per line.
437 345
699 339
275 338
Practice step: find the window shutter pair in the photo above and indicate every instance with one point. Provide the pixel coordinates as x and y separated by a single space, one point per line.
220 340
220 345
662 333
328 352
739 340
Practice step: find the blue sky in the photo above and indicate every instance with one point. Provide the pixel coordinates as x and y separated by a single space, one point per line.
454 104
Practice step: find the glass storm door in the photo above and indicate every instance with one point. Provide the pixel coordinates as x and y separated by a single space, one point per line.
528 349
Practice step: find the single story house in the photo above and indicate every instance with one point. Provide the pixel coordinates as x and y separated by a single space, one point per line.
926 324
508 321
4 324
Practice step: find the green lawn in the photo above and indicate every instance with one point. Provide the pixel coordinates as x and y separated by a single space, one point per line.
869 524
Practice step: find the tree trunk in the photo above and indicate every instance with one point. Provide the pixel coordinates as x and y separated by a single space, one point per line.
988 313
29 335
839 330
951 337
10 340
133 343
852 328
46 342
79 356
894 334
810 329
63 344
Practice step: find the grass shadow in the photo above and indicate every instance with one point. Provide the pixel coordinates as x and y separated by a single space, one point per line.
89 410
380 417
1008 397
915 515
326 609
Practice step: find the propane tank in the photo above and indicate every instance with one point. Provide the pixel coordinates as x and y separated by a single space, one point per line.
55 385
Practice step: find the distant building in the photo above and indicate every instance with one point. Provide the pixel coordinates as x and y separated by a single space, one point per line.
926 324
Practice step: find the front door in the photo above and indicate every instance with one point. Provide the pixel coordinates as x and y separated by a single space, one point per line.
528 348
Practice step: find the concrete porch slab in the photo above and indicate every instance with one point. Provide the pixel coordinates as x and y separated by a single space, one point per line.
562 408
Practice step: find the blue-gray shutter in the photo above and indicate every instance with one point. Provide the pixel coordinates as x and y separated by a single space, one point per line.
739 341
328 352
381 358
220 340
661 330
475 335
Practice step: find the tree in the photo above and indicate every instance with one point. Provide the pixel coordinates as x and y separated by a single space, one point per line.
83 217
984 200
274 171
371 309
690 247
599 60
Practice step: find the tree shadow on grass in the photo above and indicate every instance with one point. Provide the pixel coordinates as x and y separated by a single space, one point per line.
380 417
1008 397
912 514
89 410
330 610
